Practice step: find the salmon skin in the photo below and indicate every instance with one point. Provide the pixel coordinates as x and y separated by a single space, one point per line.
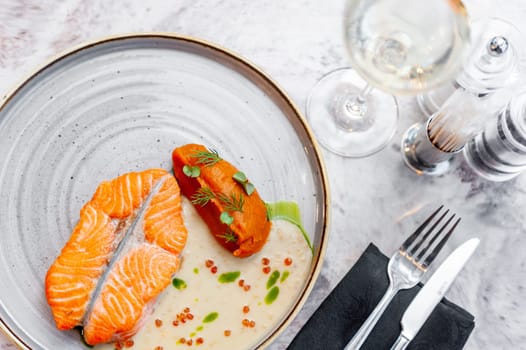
122 253
235 215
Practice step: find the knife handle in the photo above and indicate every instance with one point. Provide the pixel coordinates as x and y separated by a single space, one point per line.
401 343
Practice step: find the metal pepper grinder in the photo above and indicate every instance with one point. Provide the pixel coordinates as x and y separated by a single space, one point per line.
497 46
429 148
492 71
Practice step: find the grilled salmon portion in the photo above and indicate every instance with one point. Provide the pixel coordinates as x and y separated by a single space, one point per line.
163 220
135 280
122 253
236 217
73 276
120 197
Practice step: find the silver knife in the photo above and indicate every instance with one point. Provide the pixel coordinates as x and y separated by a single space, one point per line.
432 292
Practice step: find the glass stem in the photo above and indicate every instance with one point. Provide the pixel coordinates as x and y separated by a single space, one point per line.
364 93
352 111
357 104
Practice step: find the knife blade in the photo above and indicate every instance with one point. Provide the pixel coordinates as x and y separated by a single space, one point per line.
432 292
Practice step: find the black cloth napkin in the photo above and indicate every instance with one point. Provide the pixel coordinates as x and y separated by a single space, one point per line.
342 313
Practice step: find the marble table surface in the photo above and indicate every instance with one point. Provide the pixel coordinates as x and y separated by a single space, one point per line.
376 199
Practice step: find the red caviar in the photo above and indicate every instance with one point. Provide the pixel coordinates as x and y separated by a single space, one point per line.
246 287
241 283
227 333
287 261
209 263
265 261
246 309
199 341
158 323
248 323
128 343
266 269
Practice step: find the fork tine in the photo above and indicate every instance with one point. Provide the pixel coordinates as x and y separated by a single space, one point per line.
433 239
439 246
407 243
424 237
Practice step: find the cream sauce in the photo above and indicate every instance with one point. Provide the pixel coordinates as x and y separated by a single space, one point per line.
205 294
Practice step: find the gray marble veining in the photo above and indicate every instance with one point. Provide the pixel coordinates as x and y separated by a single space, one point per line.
376 199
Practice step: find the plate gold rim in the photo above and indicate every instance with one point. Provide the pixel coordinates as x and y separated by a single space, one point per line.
318 258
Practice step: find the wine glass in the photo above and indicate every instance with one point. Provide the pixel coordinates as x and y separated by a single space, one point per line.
395 47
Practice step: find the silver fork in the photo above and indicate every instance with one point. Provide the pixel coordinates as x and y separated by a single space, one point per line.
406 268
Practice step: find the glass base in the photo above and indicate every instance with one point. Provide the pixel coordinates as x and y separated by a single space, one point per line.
345 127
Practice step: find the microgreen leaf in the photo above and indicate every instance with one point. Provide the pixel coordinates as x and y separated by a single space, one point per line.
191 171
249 188
226 218
187 170
240 177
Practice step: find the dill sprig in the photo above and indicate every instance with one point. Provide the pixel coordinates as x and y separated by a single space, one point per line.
229 237
207 158
232 202
202 196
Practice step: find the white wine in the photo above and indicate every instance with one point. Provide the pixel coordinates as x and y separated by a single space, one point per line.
407 46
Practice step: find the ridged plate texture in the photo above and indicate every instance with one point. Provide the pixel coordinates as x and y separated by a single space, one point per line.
123 104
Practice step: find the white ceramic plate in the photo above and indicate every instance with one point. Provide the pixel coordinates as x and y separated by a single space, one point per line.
122 104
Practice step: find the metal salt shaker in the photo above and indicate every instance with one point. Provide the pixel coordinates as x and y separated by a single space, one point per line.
499 152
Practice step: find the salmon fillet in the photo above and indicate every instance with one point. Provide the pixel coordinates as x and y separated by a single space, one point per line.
74 274
120 197
122 253
163 219
134 281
